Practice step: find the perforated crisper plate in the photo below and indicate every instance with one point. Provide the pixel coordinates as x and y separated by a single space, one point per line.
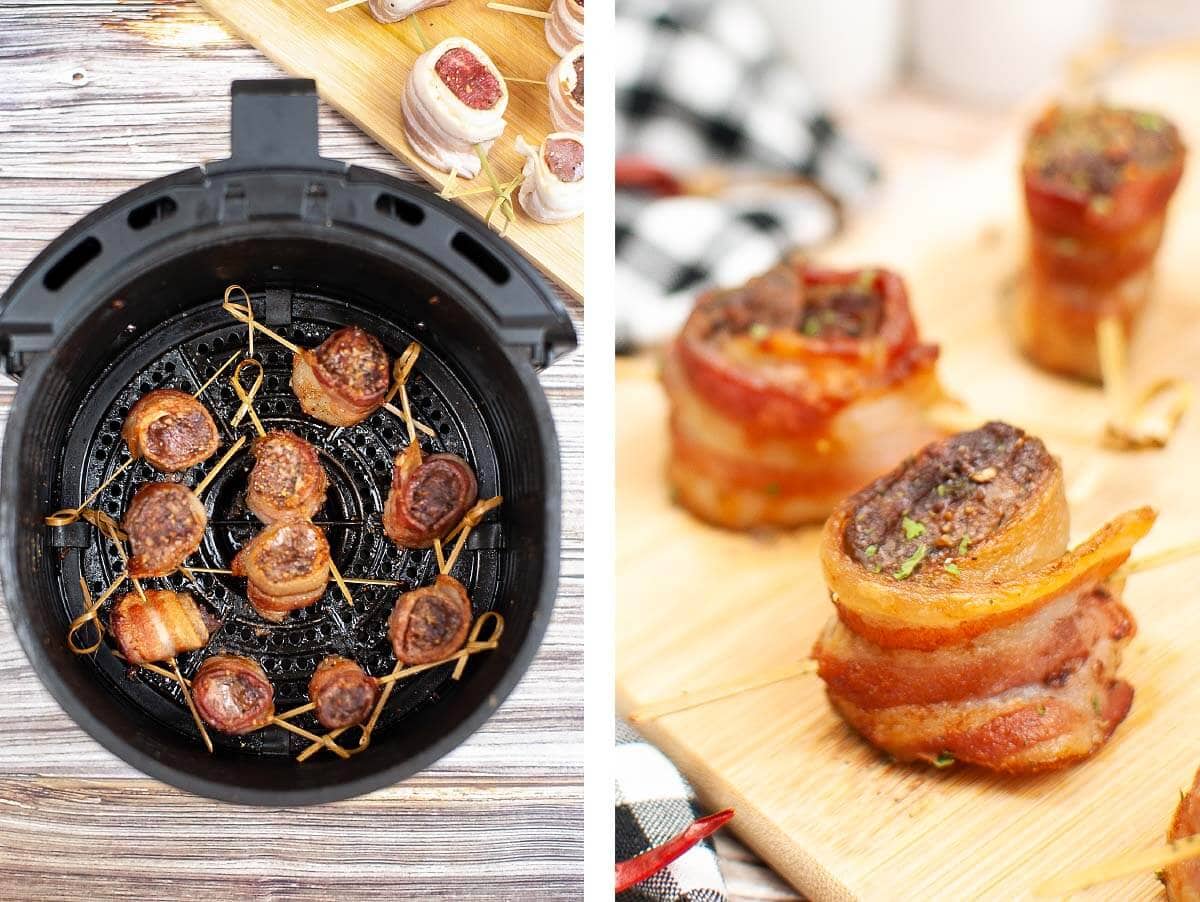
184 352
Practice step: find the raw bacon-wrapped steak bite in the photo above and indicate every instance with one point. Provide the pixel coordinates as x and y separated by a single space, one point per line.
389 11
965 630
553 187
160 626
344 380
428 497
342 692
430 623
565 82
564 28
454 101
792 391
233 694
1182 880
286 568
170 430
165 523
288 481
1097 183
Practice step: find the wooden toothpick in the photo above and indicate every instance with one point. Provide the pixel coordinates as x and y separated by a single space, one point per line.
689 699
519 10
1123 866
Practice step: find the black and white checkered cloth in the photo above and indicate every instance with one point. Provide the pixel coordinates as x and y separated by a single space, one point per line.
700 84
654 803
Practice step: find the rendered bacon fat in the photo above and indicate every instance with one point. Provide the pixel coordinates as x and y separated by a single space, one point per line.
160 627
564 28
965 629
428 497
1182 880
344 380
165 523
233 694
342 692
170 430
454 102
389 11
430 623
288 481
286 568
565 83
552 190
1097 183
792 391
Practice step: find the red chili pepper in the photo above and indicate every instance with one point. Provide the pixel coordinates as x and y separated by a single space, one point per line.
649 863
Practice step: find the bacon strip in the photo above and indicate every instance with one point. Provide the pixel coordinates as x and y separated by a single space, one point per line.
233 694
344 694
287 481
286 568
165 523
163 625
343 380
965 630
428 497
793 390
553 187
565 83
564 28
1182 880
430 623
170 430
1097 183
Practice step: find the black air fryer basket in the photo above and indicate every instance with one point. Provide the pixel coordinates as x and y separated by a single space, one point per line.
129 300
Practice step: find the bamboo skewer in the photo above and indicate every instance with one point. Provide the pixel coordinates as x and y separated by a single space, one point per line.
1127 865
1131 425
345 4
187 697
519 10
687 700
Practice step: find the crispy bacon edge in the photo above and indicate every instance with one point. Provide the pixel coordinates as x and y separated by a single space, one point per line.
225 668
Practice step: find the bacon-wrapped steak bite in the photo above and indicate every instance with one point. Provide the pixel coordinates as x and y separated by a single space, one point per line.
344 694
1182 880
427 499
233 695
793 390
430 623
170 430
286 568
453 103
163 625
389 11
1097 183
965 630
565 83
552 190
287 481
564 28
165 523
344 380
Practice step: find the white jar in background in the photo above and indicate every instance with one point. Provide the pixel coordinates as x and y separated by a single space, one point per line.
997 51
846 49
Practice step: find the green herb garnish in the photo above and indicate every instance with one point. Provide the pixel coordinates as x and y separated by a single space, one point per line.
1041 709
812 326
941 490
773 488
950 567
758 331
1096 704
912 528
963 544
907 568
1101 204
866 279
1151 122
872 550
944 759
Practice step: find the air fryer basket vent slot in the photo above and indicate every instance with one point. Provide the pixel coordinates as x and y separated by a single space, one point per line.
154 211
483 259
72 262
399 208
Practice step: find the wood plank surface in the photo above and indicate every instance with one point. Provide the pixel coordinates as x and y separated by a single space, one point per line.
699 606
361 68
100 96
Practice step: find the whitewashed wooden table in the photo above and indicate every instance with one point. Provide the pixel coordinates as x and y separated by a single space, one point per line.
99 96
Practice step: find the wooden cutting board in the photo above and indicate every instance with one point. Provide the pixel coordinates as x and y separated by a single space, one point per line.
360 67
699 607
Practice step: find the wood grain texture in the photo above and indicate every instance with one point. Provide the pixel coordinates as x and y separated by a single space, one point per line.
698 607
361 68
500 817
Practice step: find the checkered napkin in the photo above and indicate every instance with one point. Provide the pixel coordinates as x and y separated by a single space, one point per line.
654 803
700 84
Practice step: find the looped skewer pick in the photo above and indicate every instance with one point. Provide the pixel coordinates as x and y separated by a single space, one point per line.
243 313
401 370
249 308
91 615
69 515
503 193
247 396
475 643
470 520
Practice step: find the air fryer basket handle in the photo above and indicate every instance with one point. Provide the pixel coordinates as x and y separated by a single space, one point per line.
274 124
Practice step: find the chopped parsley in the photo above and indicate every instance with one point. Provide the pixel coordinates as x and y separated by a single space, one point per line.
758 331
950 567
941 490
907 568
944 759
1101 204
912 528
812 326
1041 709
1151 122
1096 704
963 544
866 279
871 550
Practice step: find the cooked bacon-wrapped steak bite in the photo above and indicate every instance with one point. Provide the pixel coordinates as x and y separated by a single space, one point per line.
564 28
389 11
344 380
342 692
553 187
1097 183
233 694
165 523
454 102
427 498
170 430
286 568
430 623
565 82
288 481
1182 880
164 625
790 392
965 630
